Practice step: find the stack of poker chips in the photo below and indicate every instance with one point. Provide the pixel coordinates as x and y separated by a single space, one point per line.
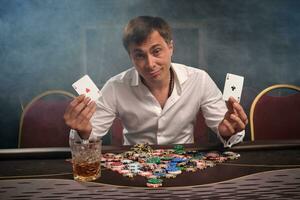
155 165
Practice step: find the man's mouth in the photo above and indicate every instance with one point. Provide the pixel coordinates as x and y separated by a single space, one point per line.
155 73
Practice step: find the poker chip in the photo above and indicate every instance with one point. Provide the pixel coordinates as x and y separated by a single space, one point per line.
152 176
172 169
162 166
209 163
201 164
154 182
160 172
176 172
158 164
126 161
212 156
155 160
116 166
145 173
168 175
109 155
191 169
178 160
118 157
124 171
166 158
179 149
134 167
129 175
158 152
231 155
222 159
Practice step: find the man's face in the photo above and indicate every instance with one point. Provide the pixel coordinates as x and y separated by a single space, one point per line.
152 58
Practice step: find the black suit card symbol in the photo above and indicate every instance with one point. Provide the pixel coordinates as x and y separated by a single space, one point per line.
233 88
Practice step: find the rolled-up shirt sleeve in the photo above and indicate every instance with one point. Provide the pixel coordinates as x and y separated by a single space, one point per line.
105 111
214 108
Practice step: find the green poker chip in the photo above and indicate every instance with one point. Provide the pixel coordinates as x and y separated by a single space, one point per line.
155 181
182 168
155 160
166 158
179 151
178 147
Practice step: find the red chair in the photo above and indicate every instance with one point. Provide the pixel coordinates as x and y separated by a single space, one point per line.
276 117
117 132
42 123
200 131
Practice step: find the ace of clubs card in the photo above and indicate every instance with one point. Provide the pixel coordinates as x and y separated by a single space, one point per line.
233 87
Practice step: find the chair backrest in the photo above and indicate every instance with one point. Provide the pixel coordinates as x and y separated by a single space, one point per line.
276 117
200 131
42 123
117 132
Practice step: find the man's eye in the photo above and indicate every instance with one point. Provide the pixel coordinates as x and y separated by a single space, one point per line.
139 56
156 51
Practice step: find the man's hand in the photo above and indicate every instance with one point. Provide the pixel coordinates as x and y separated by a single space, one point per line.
235 119
78 114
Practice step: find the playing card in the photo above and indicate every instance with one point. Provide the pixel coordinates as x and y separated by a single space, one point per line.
86 86
233 87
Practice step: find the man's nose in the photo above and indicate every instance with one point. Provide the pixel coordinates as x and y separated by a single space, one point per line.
150 61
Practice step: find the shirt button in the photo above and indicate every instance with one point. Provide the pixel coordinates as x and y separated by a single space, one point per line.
158 111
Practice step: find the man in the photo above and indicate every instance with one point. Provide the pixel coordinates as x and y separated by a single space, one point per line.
156 100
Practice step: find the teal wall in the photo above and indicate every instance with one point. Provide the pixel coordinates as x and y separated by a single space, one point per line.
48 44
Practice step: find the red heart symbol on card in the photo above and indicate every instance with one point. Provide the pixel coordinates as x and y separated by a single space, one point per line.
87 90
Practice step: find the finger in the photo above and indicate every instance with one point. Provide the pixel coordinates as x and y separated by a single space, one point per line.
79 108
89 110
239 123
68 112
230 103
229 126
240 112
77 121
83 124
74 103
87 113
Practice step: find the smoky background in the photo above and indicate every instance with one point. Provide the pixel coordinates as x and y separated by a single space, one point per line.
49 44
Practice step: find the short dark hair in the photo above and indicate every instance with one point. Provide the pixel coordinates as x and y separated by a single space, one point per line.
139 28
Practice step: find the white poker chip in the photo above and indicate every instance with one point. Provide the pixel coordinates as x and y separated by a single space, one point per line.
168 175
176 172
126 161
231 155
210 163
129 175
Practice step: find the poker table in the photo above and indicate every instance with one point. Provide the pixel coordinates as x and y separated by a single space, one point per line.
265 170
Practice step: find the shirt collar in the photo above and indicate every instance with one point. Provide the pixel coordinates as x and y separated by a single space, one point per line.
180 73
136 79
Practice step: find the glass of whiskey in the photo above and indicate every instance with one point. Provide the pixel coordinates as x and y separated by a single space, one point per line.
86 159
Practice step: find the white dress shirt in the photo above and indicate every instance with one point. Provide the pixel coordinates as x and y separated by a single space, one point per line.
143 119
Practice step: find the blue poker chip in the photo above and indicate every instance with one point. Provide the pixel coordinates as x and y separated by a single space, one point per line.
178 160
134 167
159 174
172 168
